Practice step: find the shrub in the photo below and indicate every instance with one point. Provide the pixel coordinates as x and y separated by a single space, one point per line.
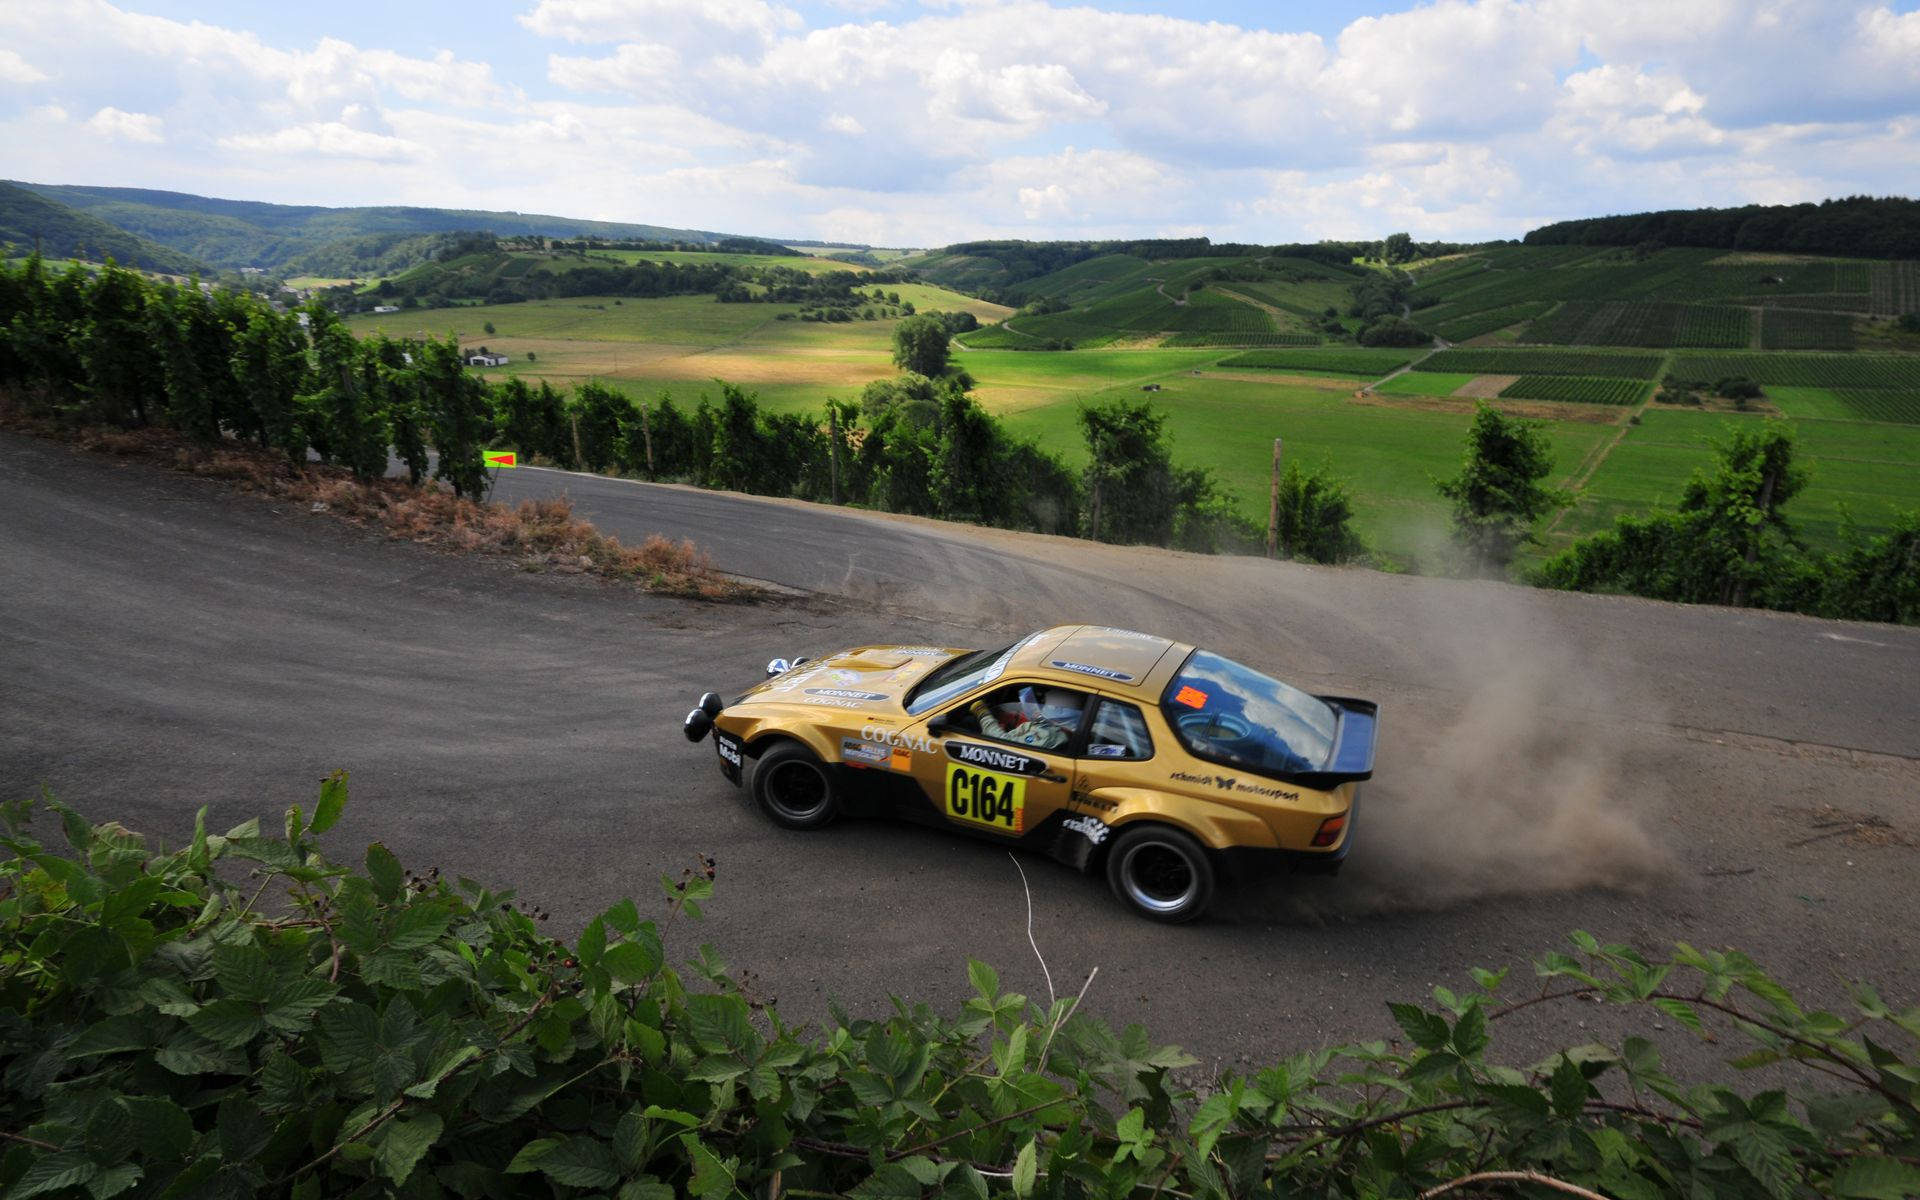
387 1032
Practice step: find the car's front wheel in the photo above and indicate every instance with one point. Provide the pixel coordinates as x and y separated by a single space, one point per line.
1161 873
793 787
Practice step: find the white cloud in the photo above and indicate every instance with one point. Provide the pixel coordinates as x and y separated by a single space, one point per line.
328 139
845 123
657 20
126 126
14 69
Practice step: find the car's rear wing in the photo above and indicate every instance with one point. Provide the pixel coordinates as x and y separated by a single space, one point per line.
1356 723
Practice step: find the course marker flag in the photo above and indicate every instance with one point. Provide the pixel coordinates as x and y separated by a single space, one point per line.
499 458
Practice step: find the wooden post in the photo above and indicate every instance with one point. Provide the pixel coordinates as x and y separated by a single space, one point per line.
573 422
833 451
646 432
1273 504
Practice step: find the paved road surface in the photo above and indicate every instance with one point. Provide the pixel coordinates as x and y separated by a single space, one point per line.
1549 761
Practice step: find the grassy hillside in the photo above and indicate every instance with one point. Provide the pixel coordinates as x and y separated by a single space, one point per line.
28 219
244 233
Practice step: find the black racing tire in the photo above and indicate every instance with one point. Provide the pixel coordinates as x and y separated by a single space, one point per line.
794 788
1161 873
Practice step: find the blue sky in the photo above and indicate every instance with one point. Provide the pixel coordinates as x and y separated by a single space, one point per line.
903 123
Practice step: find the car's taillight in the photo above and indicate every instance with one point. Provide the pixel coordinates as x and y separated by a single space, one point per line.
1330 830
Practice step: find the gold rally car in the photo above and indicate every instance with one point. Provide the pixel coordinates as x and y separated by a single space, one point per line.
1164 765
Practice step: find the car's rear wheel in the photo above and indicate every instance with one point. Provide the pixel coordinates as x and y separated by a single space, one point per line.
1161 873
793 787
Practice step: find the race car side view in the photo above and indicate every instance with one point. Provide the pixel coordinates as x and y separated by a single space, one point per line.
1159 763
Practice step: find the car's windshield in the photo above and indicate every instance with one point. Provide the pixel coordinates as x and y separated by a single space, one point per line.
958 676
1231 713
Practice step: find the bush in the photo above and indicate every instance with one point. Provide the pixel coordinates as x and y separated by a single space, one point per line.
388 1032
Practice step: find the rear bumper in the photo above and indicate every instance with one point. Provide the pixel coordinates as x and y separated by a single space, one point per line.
1246 864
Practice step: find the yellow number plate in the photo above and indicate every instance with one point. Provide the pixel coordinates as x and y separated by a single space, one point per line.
985 798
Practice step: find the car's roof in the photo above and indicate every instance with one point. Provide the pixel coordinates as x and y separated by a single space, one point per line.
1089 655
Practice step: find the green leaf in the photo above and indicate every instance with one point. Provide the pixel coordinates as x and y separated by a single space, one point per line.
592 943
1470 1032
403 1142
630 1140
385 872
925 1170
1569 1088
1026 1166
292 1004
891 1182
655 1112
243 1131
113 1036
984 978
646 1188
420 925
632 962
111 1181
1876 1179
188 1053
227 1023
1682 1012
720 1023
1427 1030
53 1173
528 1159
333 801
711 1176
1767 1156
162 1128
244 971
295 827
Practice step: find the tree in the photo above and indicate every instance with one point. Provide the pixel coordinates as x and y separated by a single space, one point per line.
1498 494
1129 475
1398 247
603 415
1316 517
344 405
920 346
457 411
1728 542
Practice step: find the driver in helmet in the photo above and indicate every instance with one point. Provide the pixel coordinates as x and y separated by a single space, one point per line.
1042 720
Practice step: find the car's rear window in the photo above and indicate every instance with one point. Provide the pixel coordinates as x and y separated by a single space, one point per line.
1230 713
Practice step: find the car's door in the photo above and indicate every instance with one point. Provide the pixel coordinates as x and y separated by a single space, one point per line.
995 767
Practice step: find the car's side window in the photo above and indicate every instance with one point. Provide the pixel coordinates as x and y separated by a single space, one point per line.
1119 732
1039 716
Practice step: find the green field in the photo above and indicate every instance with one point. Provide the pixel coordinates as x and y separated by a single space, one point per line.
1857 415
1873 469
796 262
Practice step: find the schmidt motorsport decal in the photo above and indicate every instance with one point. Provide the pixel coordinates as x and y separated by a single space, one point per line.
1233 783
995 759
845 694
1085 669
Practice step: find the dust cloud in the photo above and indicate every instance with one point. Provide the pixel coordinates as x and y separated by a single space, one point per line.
1524 776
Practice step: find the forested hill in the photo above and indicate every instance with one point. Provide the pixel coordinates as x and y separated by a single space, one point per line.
245 233
28 220
1854 227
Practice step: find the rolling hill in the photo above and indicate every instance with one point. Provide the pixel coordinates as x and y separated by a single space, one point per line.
295 239
28 219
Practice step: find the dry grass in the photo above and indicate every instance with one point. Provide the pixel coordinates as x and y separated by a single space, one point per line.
539 534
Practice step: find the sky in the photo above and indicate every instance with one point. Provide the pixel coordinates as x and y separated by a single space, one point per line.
902 123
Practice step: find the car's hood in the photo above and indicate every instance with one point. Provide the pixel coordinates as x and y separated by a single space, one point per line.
875 677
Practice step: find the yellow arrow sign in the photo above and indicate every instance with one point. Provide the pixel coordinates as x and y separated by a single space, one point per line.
499 458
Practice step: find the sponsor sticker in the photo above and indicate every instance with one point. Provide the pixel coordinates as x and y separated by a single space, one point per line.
918 651
844 676
857 753
995 758
901 759
727 748
986 798
845 694
893 737
1192 697
1089 669
1127 633
1233 783
1092 828
1103 750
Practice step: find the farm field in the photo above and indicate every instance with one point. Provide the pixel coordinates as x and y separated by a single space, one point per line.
1872 469
1388 455
1225 404
797 262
